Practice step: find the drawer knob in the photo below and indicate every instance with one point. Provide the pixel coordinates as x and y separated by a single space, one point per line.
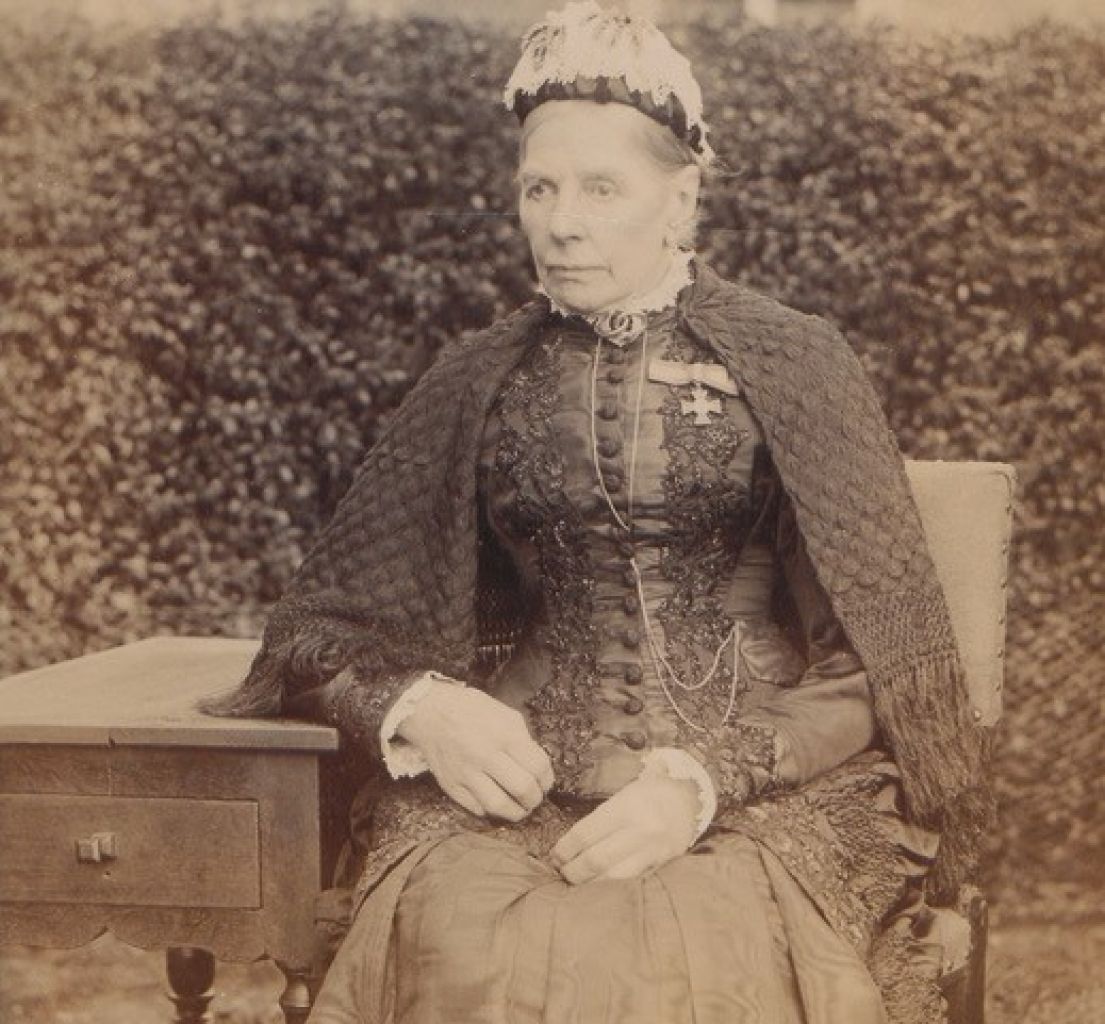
97 848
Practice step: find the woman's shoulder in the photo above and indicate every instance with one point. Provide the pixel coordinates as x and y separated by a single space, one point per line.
726 310
505 331
474 356
779 353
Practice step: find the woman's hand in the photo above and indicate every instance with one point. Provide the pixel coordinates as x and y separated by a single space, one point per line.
642 826
480 751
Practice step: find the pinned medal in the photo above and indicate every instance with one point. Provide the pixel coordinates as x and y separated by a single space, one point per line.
700 376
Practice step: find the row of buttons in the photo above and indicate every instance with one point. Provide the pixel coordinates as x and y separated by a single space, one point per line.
611 447
631 673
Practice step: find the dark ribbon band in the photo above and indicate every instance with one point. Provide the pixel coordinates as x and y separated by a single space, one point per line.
671 113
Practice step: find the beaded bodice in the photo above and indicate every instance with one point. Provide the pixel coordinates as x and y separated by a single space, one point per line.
558 452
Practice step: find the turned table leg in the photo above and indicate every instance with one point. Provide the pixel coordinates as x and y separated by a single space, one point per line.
191 973
295 1000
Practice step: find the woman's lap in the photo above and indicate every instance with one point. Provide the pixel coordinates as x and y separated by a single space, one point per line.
474 930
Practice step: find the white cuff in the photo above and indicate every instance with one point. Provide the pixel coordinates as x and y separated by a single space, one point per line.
674 763
402 759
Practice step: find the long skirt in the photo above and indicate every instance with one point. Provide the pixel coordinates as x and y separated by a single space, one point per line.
470 929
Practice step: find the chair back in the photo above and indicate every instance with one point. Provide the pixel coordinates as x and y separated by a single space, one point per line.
967 513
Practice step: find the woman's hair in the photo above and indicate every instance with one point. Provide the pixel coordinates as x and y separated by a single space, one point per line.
667 151
672 154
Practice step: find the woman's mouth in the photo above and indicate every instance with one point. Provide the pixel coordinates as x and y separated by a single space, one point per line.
570 271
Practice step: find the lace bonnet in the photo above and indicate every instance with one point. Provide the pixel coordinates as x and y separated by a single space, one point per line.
585 52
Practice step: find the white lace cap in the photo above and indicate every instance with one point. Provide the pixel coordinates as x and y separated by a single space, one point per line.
584 42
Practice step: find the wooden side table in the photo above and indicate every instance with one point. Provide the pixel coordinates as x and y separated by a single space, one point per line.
124 809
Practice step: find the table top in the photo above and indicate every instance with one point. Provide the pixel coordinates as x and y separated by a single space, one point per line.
146 694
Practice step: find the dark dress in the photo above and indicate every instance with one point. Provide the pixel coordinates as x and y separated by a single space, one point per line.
770 916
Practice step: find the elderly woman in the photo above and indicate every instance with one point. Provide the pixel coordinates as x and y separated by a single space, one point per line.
726 725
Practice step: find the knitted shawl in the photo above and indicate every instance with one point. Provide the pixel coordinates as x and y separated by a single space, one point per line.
390 585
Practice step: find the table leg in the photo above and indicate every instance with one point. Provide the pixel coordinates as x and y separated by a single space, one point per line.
191 973
296 999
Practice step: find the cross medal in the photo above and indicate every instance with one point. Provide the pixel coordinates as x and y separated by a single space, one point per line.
700 376
700 405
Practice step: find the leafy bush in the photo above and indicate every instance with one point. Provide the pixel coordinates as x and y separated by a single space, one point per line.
228 251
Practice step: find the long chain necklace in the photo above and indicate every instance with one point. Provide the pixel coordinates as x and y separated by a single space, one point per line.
668 678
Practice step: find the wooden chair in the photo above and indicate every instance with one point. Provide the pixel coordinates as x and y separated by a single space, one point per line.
967 512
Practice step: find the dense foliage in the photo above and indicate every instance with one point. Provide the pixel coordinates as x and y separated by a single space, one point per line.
225 254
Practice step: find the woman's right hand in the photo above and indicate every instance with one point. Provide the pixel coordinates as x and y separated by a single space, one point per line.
480 751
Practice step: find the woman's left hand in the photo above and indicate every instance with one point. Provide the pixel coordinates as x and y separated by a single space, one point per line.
643 825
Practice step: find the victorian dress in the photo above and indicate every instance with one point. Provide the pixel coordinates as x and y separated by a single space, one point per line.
640 570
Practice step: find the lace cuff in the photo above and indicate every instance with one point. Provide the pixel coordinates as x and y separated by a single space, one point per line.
743 761
674 763
404 760
353 707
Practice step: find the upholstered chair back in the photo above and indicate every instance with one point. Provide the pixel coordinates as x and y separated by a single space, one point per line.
967 512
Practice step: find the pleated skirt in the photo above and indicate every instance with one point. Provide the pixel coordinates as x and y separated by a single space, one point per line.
474 930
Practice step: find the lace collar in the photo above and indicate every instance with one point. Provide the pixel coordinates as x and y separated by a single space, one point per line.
624 323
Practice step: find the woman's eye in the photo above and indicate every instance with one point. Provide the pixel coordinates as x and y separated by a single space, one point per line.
537 190
601 189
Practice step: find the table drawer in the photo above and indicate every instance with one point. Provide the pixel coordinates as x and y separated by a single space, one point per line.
129 851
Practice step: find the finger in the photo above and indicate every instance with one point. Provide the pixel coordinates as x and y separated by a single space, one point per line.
460 795
597 859
494 800
531 756
547 777
518 783
584 833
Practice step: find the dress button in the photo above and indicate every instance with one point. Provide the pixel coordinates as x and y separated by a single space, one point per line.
631 637
615 375
631 604
613 481
634 674
635 740
633 706
616 355
629 578
609 447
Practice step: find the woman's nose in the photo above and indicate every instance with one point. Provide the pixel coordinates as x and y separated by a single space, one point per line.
566 221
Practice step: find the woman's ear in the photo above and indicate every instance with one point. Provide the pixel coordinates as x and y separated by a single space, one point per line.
683 210
688 184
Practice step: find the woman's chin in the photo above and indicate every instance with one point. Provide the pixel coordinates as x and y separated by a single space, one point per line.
577 295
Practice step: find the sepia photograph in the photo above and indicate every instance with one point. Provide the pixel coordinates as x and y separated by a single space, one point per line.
552 511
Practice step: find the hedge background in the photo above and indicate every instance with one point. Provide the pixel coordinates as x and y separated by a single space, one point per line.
225 253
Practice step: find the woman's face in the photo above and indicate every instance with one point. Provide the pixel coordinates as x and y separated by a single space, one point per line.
595 205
